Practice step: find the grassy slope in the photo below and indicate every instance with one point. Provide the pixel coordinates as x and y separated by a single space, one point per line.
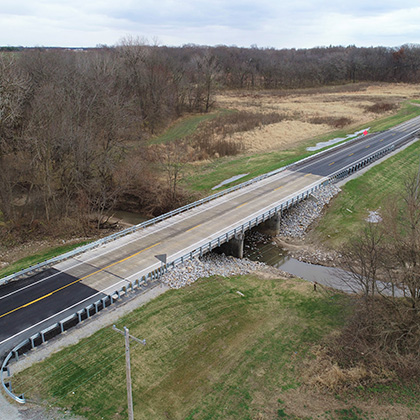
369 192
206 176
186 126
36 258
210 353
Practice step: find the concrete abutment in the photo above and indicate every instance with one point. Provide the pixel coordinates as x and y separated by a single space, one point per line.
235 247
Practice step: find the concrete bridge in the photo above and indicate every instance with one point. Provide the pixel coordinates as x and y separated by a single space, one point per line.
49 301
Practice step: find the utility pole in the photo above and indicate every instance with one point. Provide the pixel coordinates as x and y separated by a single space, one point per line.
417 184
127 336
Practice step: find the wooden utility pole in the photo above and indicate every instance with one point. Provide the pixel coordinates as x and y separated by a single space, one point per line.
417 184
127 336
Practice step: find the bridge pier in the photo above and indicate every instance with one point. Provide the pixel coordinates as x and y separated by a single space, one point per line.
235 247
270 227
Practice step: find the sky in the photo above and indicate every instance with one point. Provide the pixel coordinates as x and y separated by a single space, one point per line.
244 23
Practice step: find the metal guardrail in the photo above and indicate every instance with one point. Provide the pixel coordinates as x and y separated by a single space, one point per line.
151 278
48 263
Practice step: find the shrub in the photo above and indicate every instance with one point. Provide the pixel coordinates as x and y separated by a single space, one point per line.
335 122
381 107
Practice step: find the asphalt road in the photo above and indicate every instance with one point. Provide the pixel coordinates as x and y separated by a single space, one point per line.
29 305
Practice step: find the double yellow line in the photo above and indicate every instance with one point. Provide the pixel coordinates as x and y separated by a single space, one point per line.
76 281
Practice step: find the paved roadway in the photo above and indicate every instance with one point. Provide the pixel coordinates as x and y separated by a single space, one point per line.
27 306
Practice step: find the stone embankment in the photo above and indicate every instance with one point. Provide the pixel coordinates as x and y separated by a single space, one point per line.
297 220
209 265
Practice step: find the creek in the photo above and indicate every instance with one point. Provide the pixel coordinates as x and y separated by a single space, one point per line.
129 217
277 257
272 254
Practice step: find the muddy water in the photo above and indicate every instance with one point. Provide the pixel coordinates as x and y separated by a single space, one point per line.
277 257
129 217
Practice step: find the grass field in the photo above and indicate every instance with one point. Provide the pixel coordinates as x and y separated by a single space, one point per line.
210 354
203 177
369 192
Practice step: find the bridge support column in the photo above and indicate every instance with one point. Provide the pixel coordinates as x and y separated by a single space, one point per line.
271 226
235 247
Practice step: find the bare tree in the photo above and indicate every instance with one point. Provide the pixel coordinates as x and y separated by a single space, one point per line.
362 259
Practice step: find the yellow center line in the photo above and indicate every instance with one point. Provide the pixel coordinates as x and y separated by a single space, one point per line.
281 186
193 227
382 139
76 281
240 205
308 174
332 163
367 146
351 154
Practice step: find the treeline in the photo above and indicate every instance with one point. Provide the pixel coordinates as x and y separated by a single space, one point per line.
290 68
70 119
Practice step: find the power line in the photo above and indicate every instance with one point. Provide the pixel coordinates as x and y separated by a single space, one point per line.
128 337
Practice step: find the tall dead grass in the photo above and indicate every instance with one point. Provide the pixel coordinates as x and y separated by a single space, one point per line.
335 122
371 349
381 107
213 138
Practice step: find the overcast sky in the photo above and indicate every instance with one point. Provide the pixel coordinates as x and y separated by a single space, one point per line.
265 23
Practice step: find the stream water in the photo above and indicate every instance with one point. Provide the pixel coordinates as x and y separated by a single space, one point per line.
277 257
129 217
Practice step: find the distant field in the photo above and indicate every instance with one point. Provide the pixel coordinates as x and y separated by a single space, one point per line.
203 176
369 192
210 354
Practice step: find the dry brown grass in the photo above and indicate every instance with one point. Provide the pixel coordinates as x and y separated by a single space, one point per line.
325 374
313 112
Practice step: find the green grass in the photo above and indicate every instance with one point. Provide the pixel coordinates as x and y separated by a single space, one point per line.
37 258
406 112
210 353
204 177
186 126
371 191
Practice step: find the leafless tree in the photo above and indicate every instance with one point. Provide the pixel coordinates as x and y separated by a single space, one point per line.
362 259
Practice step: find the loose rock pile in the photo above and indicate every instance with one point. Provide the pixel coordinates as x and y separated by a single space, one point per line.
209 265
296 221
